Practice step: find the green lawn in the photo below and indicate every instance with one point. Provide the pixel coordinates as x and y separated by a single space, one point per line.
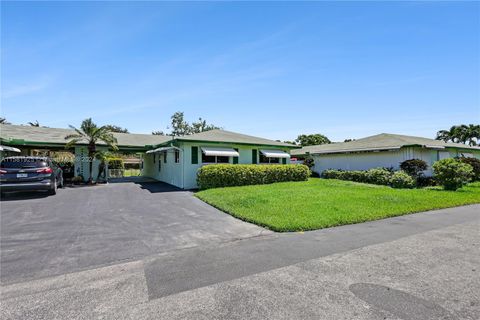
320 203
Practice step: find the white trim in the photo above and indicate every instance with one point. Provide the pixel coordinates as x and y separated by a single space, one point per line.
162 149
7 148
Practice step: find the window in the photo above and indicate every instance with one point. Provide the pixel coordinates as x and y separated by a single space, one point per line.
254 156
165 157
214 159
194 155
177 156
264 159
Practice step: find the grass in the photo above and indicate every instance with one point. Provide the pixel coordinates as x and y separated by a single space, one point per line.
321 203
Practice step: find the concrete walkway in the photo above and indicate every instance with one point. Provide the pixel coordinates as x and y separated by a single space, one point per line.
420 266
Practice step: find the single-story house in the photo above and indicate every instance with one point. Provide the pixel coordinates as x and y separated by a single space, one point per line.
174 160
382 150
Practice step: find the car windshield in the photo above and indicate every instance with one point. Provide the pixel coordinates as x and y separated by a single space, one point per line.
23 163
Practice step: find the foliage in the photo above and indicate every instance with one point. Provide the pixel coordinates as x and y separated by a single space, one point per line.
114 128
423 181
321 203
452 173
414 167
312 139
91 134
461 134
4 121
78 179
475 163
226 175
401 179
180 127
380 176
115 163
309 162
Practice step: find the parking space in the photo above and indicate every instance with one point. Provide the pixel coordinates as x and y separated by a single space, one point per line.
90 226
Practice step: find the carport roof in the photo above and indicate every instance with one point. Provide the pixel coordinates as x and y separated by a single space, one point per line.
383 141
28 135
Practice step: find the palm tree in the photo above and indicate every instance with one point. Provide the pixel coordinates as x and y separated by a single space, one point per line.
461 134
91 134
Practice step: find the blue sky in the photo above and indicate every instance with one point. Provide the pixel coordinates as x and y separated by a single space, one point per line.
276 70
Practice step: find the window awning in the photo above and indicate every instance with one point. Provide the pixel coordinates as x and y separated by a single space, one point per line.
221 152
162 149
7 148
275 154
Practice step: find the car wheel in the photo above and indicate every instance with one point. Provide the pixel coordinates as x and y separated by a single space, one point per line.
54 188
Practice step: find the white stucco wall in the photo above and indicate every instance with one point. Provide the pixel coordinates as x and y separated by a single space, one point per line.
368 160
154 166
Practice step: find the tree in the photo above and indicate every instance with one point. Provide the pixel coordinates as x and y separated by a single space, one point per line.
158 133
4 121
461 134
34 124
180 127
90 133
114 128
312 139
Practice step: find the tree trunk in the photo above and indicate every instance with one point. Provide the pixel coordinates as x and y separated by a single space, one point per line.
90 179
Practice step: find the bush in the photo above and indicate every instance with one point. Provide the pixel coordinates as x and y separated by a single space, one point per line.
332 174
423 181
78 179
227 175
452 173
475 163
401 179
115 163
379 176
414 167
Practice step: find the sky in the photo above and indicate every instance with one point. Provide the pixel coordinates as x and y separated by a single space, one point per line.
269 69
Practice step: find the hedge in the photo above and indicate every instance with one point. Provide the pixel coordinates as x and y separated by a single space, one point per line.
228 175
381 176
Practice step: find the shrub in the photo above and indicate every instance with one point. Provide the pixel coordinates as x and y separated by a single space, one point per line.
475 163
401 179
378 176
414 167
227 175
115 163
332 174
423 181
452 173
78 179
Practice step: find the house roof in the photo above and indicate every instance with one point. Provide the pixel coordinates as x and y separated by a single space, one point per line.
224 136
383 141
28 135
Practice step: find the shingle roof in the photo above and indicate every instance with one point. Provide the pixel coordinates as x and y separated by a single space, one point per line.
383 141
45 135
232 137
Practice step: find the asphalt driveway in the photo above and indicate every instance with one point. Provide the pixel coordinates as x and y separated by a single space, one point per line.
85 227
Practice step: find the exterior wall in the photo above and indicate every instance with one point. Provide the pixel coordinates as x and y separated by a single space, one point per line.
170 172
184 173
82 164
368 160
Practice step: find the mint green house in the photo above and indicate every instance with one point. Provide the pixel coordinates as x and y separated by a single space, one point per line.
174 160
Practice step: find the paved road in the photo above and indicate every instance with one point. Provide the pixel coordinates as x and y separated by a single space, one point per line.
421 266
82 228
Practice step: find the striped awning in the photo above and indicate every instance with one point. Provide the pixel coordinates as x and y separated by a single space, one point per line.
275 154
162 149
220 152
7 148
